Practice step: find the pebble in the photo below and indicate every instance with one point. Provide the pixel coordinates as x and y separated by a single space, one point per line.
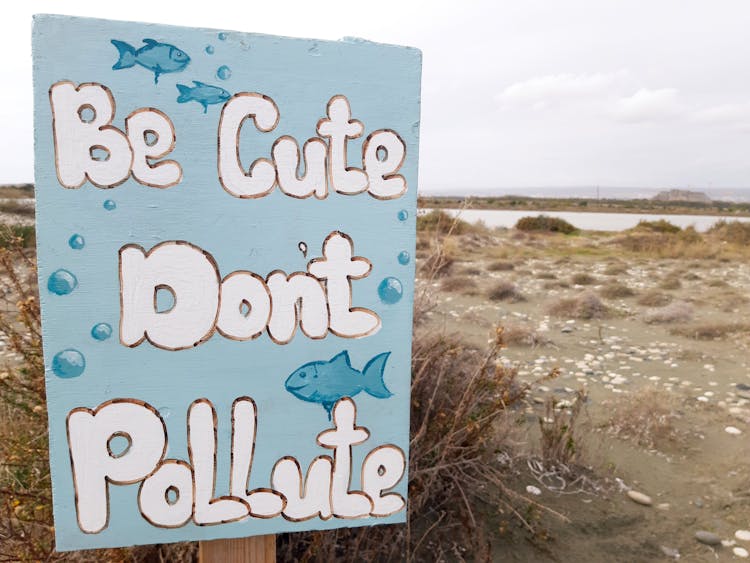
640 498
708 538
742 535
567 329
532 490
670 552
663 506
733 430
741 552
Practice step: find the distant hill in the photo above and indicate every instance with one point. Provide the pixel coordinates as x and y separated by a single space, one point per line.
682 195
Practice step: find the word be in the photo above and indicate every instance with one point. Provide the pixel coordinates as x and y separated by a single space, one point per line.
89 147
173 491
242 305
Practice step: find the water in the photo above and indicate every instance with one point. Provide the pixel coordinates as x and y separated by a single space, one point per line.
62 282
589 221
224 72
68 363
390 290
101 331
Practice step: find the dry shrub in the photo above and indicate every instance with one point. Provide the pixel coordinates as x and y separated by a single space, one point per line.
677 312
560 437
505 291
585 306
544 275
670 283
615 270
523 335
616 290
545 224
645 417
710 331
439 222
717 283
500 266
734 232
460 284
660 226
654 298
470 271
461 399
685 243
582 278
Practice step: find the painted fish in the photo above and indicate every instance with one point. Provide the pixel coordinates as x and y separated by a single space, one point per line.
159 58
327 382
204 94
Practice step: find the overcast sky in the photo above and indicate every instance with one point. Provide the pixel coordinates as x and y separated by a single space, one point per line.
514 94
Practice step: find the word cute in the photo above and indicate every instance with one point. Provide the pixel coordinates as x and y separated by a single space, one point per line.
242 304
173 491
89 147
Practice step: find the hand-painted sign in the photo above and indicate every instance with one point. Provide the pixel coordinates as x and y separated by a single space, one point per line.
225 232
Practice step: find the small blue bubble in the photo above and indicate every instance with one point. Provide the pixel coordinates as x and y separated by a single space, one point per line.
390 290
222 36
62 282
109 205
209 49
76 242
403 215
68 363
224 72
403 258
101 331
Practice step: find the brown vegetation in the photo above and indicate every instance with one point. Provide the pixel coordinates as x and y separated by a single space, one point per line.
585 306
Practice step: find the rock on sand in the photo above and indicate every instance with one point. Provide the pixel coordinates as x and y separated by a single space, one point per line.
708 538
640 498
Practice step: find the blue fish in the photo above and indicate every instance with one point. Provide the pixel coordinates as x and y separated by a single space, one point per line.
327 382
202 93
159 58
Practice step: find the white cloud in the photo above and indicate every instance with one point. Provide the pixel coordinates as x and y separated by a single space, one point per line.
648 105
540 91
732 114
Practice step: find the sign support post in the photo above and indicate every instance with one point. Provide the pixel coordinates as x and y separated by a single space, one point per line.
258 549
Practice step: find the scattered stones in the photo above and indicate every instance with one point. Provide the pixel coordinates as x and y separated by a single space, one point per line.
733 430
670 552
640 498
532 490
707 538
741 552
742 535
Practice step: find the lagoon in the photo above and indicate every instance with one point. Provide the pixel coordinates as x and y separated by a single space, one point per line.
589 221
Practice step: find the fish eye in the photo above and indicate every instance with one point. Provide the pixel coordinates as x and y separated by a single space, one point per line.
315 376
302 374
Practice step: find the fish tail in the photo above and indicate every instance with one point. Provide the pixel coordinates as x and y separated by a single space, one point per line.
127 55
373 372
185 93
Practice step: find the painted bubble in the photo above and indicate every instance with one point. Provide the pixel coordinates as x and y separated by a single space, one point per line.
209 49
62 282
76 242
403 258
222 36
403 215
101 331
390 290
68 363
109 205
164 412
224 72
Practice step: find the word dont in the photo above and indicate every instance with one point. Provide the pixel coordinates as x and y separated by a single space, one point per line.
242 305
89 147
173 491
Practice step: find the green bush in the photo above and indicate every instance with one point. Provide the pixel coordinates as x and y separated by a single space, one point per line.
440 222
660 226
546 224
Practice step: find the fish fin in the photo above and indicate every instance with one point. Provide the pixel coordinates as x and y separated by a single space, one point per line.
373 374
199 83
185 93
126 52
341 357
328 407
150 42
205 107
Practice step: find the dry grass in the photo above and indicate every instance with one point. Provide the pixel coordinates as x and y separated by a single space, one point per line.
676 312
646 418
653 298
560 432
460 284
506 291
615 270
711 331
670 283
500 266
582 278
585 306
616 290
523 335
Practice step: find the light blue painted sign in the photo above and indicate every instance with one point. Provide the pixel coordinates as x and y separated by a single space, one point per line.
226 226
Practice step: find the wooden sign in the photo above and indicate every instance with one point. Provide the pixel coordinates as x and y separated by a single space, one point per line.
226 230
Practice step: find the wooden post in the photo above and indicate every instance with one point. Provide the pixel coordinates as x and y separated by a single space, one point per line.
258 549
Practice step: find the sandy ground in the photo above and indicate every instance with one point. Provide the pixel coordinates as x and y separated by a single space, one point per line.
696 473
